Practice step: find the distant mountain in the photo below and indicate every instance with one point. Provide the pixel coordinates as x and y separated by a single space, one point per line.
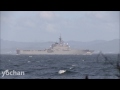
97 45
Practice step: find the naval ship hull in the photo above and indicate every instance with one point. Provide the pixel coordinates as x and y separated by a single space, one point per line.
39 52
58 48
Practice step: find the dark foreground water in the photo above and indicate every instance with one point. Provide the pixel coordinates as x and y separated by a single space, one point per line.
48 66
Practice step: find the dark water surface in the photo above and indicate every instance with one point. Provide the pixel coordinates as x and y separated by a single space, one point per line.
48 66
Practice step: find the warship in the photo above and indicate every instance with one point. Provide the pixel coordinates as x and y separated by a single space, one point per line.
57 48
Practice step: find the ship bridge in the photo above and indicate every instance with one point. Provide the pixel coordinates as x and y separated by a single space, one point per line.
60 46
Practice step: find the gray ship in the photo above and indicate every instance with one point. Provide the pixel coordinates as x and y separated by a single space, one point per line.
58 48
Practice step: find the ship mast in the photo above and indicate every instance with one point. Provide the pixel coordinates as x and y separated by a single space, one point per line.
60 39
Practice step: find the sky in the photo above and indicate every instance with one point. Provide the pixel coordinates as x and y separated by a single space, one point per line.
42 26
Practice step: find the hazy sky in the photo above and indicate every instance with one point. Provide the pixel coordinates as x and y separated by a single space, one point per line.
32 26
